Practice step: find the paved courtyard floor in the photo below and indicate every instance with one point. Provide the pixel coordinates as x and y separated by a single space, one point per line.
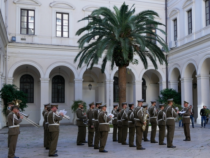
30 144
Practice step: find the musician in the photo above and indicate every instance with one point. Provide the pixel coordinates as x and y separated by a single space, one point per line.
153 120
114 122
124 119
171 114
139 121
90 124
43 112
46 128
96 125
13 119
104 128
119 126
10 105
81 125
161 124
53 124
186 121
145 133
131 125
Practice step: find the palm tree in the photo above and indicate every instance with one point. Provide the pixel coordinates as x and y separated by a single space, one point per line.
119 36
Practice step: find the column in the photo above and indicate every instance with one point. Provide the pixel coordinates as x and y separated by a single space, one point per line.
78 88
44 96
203 93
162 86
109 95
137 91
187 91
174 85
10 80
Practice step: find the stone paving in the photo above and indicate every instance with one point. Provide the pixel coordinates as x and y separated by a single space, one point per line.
30 144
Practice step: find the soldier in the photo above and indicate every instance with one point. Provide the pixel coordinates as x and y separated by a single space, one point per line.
13 119
114 122
90 124
43 112
161 124
46 128
131 125
153 120
138 116
119 126
186 121
10 105
103 127
53 125
96 125
81 125
124 120
170 123
145 133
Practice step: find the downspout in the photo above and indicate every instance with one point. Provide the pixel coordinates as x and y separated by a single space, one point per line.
166 15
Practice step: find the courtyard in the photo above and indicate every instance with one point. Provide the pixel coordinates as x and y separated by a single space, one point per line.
30 144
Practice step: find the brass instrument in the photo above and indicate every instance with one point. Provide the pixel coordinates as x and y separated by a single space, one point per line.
145 120
64 116
25 116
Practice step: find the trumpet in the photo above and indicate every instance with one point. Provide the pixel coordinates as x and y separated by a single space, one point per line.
64 116
25 117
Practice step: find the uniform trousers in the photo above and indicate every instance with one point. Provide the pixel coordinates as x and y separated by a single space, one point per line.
162 131
103 139
124 134
12 145
170 135
119 134
97 137
145 133
187 131
53 142
153 132
81 134
131 136
90 135
139 132
114 132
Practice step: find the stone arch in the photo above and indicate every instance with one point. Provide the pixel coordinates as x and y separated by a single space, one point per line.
158 72
57 64
187 3
134 73
84 68
30 2
191 61
171 71
200 65
174 12
28 62
90 8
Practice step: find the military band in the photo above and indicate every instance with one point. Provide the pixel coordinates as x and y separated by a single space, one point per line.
134 119
114 122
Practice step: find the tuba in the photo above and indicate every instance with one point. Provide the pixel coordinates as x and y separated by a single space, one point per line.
145 120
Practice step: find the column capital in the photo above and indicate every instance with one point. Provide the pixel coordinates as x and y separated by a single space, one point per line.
174 82
202 76
78 79
186 79
44 80
137 82
109 81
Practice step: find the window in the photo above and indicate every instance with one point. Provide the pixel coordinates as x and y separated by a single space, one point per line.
27 86
144 89
189 15
27 22
175 29
207 10
116 90
58 89
62 25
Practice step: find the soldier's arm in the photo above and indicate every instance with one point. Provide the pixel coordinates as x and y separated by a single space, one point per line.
80 115
17 121
174 114
187 113
58 117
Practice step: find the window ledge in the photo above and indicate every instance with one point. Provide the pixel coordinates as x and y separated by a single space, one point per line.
26 35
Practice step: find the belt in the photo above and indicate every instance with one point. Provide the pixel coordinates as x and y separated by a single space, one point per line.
93 119
96 120
169 118
136 119
153 117
104 123
130 121
115 117
186 116
54 124
118 120
14 126
161 120
46 122
122 119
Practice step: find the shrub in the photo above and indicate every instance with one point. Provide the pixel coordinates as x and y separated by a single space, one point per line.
75 105
168 94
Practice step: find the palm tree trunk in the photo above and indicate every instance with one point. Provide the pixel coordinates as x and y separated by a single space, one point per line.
122 85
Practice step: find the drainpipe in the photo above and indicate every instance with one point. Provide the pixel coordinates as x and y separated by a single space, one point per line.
166 15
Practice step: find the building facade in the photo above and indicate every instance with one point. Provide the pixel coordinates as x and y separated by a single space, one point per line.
38 47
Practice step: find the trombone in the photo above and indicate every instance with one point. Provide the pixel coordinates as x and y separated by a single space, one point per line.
25 117
64 116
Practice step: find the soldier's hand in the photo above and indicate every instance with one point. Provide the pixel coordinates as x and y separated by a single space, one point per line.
177 112
92 126
61 114
145 123
21 117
